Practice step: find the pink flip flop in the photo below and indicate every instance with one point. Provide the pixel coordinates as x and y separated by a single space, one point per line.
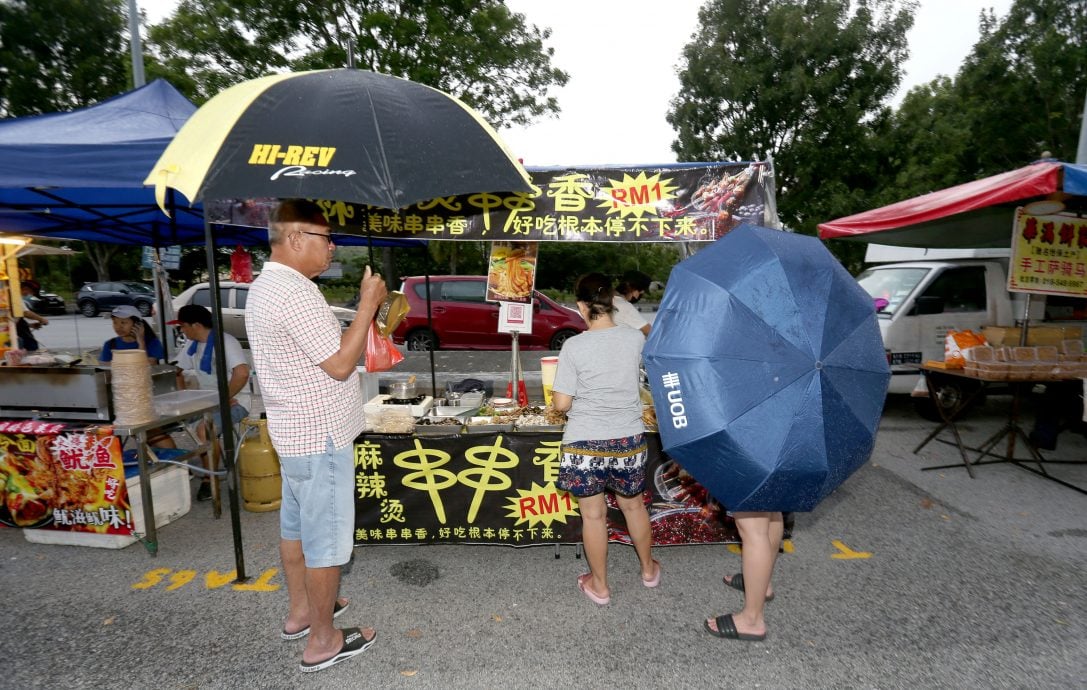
656 579
593 596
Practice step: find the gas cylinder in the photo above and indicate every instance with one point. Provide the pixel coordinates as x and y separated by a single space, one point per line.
258 467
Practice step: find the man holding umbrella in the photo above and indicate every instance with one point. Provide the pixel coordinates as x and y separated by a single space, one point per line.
310 386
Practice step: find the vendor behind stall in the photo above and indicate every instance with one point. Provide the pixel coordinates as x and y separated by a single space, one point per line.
196 362
133 333
23 327
630 289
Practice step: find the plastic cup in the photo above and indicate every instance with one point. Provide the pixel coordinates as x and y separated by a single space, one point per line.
548 365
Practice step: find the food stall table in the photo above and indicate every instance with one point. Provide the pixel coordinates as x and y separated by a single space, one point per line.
178 409
1011 430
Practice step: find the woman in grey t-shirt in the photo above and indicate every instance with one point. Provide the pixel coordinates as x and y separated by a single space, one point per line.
603 446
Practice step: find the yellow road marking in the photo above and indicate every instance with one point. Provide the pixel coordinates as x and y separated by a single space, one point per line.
151 578
261 584
214 579
846 553
180 578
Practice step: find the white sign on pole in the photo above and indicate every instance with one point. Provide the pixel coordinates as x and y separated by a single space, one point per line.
514 317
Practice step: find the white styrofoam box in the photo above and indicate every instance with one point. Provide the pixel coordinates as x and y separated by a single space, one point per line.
368 383
169 491
183 402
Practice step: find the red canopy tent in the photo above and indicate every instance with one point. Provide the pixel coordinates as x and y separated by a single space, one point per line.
976 214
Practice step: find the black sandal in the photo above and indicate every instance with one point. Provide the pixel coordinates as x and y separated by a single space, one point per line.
737 582
726 628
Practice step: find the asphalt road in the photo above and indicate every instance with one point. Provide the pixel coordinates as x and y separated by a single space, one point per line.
900 579
75 333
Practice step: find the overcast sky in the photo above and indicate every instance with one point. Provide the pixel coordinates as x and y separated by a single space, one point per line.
622 56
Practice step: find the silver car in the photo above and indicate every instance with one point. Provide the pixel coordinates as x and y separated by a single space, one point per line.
233 297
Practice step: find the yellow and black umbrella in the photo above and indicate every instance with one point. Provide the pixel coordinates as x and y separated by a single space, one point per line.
343 134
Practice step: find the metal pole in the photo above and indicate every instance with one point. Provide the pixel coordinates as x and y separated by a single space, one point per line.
1081 150
430 322
134 43
1026 322
224 401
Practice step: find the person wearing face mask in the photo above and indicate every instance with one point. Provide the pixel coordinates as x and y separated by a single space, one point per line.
630 289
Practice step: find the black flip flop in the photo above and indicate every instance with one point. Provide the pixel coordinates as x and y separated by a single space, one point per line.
726 628
737 582
336 611
353 645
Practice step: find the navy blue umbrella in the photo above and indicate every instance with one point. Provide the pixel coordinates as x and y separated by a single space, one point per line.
767 370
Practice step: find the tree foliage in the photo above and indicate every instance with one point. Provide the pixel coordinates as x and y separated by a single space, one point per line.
802 80
1023 86
60 54
1018 95
476 50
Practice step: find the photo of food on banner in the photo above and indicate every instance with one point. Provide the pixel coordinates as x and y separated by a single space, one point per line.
511 277
723 200
511 272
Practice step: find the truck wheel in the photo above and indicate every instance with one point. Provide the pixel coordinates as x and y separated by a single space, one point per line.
950 392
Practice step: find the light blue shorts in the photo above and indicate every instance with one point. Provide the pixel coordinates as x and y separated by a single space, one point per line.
318 505
237 414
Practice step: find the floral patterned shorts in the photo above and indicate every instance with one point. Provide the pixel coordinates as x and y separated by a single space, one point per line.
588 468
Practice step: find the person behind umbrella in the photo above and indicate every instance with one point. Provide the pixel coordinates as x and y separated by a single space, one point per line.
196 362
23 327
310 385
630 289
760 534
133 333
603 445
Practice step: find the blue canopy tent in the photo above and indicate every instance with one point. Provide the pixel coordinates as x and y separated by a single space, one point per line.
79 175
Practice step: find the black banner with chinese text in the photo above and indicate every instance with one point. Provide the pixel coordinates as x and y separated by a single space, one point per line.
499 488
680 203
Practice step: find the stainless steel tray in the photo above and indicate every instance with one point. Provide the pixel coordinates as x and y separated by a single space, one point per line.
438 429
453 411
487 428
529 428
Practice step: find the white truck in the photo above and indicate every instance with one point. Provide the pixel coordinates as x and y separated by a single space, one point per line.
931 291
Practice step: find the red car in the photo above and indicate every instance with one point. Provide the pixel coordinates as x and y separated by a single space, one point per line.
463 320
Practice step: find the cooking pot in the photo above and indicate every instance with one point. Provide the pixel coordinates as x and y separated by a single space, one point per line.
402 390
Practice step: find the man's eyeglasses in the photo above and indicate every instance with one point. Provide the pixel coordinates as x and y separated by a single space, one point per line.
326 238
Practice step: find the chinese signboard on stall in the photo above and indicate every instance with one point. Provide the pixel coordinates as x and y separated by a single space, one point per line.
1049 254
678 203
499 488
